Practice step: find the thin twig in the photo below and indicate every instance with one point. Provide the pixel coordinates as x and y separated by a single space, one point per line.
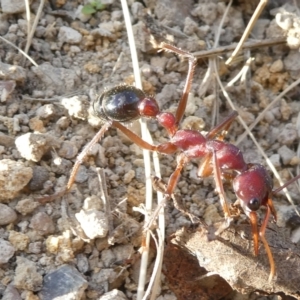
20 50
248 30
157 265
105 198
249 45
242 74
208 75
28 17
34 25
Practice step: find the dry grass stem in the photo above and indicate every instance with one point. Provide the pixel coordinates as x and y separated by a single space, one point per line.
248 30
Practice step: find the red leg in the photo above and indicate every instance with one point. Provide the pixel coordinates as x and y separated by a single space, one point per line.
169 190
204 168
219 186
188 84
181 161
266 245
160 186
221 129
272 208
254 226
165 148
78 162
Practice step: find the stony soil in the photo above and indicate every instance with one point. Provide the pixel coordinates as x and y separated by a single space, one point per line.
46 120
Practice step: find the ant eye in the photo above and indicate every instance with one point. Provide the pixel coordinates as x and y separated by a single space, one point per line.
253 204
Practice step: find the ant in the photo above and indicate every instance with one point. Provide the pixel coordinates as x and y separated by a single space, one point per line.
251 182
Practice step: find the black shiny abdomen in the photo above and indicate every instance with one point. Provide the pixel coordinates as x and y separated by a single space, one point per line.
119 104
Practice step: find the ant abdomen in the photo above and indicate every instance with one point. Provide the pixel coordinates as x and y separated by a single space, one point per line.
124 103
119 104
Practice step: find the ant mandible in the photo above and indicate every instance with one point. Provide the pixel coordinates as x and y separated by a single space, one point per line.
222 160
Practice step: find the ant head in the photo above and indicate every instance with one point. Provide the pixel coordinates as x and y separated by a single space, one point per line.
252 187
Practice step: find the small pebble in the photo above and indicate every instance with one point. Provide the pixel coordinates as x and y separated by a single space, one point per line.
22 280
93 222
288 135
292 61
26 206
211 215
36 125
42 223
92 202
113 295
75 107
35 247
64 283
286 154
59 165
63 123
277 66
19 240
14 175
45 111
11 293
108 257
6 140
103 277
82 174
11 72
69 35
7 251
82 263
7 215
275 160
39 177
6 88
295 236
129 176
33 146
68 150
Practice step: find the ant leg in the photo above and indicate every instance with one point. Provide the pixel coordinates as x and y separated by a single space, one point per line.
165 148
270 209
220 188
205 169
78 162
254 227
188 84
169 190
160 186
182 160
222 128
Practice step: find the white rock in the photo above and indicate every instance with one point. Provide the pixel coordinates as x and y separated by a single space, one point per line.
295 236
69 35
113 295
93 222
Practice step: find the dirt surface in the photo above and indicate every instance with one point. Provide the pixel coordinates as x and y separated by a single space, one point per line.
47 118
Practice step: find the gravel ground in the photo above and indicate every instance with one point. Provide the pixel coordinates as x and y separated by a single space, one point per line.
72 247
